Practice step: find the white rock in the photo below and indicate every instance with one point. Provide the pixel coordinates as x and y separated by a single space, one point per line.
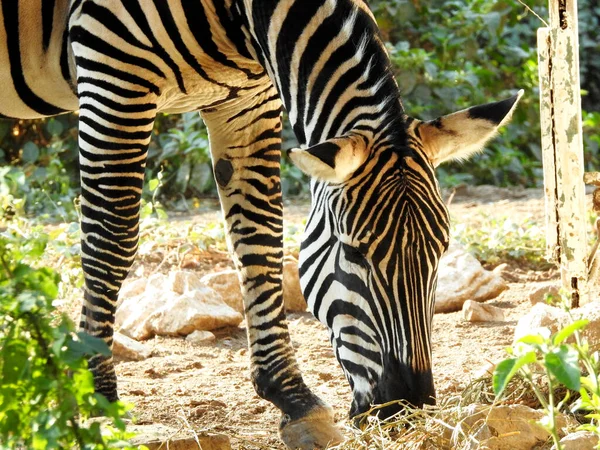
227 284
541 316
461 277
480 312
183 281
292 293
132 315
580 440
201 309
162 437
506 427
591 312
132 288
127 349
162 309
552 318
538 293
200 337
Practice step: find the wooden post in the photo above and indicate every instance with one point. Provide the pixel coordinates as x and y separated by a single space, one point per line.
562 147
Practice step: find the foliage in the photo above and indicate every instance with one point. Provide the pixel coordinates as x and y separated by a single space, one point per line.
446 56
179 150
496 240
46 391
41 176
559 358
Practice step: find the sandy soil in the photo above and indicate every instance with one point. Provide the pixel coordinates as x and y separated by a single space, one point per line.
208 388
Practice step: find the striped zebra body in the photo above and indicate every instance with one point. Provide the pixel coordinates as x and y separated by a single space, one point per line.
377 227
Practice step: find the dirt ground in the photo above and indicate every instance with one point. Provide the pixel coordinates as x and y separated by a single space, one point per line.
208 388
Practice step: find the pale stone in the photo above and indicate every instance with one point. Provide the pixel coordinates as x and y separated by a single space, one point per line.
162 310
132 288
200 337
292 293
132 315
127 349
480 312
538 292
201 309
461 277
156 436
540 317
505 427
579 440
552 318
183 281
227 284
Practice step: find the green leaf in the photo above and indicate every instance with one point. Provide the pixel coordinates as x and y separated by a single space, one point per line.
507 369
569 330
30 153
93 344
54 127
564 365
532 339
153 184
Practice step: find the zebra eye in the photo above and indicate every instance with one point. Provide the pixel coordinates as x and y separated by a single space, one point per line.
353 254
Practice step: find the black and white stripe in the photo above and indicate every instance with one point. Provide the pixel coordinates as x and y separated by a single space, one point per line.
377 227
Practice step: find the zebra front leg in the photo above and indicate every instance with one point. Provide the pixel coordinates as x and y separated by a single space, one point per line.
113 145
245 145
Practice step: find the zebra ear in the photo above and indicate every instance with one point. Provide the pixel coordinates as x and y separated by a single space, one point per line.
333 160
463 133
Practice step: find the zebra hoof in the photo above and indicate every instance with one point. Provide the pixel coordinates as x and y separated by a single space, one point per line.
315 430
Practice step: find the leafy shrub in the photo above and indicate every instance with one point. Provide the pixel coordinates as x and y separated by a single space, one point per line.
447 55
559 359
502 239
46 391
40 172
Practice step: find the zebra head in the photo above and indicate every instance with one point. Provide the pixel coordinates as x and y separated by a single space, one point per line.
376 232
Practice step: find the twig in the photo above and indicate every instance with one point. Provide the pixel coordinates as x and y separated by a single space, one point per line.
528 8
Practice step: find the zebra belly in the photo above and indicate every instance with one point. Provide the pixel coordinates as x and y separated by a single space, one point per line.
30 56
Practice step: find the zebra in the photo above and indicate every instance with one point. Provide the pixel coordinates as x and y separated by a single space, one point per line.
377 226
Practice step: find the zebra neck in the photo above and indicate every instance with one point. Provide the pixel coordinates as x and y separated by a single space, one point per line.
329 65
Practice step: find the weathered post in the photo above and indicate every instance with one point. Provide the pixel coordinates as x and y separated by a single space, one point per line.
562 147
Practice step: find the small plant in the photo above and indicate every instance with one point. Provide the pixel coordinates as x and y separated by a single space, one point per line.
46 390
556 360
497 240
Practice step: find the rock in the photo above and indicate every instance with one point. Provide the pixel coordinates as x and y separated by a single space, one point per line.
157 436
579 440
541 316
183 281
132 315
480 312
591 312
292 293
227 284
505 427
174 305
538 293
127 349
200 337
552 318
201 309
132 288
461 277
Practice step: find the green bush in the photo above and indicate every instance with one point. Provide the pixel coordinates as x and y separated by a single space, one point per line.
46 390
447 55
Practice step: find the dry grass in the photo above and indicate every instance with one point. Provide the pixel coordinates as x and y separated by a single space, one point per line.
440 427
